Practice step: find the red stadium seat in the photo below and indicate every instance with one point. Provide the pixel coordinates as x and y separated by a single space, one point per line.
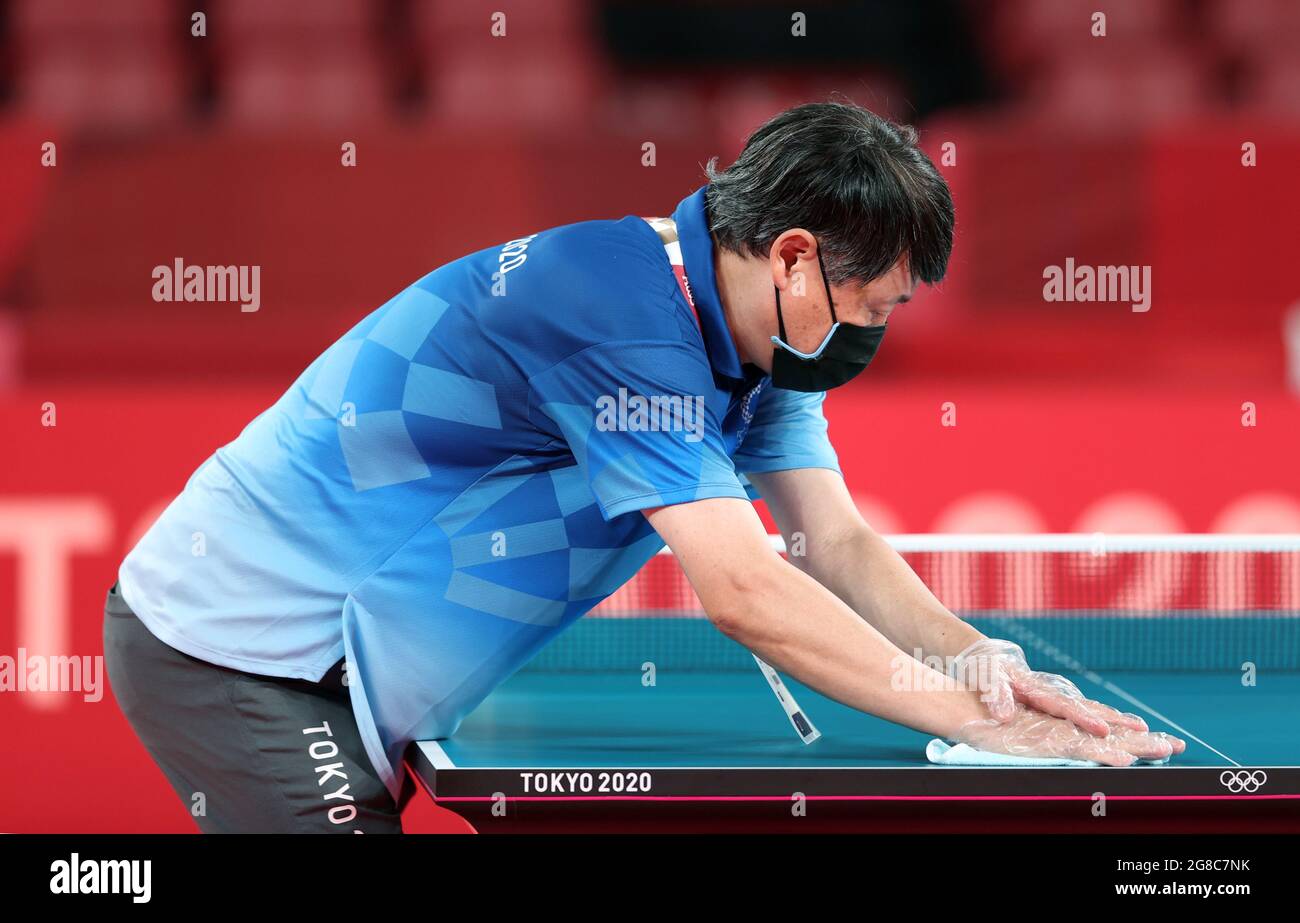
1255 26
1121 89
114 86
298 62
544 70
301 85
525 87
88 63
244 21
35 20
1031 31
1272 86
440 24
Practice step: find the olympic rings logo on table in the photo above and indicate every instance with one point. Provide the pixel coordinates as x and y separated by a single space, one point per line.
1244 781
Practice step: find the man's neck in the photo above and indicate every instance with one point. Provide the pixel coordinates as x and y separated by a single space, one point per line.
738 302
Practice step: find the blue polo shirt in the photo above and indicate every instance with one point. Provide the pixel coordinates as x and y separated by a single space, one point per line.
460 477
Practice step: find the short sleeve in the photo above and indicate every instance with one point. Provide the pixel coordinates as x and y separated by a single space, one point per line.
637 420
788 431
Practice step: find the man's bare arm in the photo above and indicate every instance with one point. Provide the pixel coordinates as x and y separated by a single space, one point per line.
814 511
841 551
794 623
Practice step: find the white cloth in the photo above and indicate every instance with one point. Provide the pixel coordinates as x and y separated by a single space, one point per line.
945 754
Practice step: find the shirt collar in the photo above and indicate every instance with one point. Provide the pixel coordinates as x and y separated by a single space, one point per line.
697 256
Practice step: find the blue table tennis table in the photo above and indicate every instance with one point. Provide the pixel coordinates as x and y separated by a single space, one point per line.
713 751
1200 635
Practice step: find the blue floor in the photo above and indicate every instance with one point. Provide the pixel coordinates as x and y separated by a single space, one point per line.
542 719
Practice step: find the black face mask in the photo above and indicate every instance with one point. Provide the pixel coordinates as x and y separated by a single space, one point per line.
846 351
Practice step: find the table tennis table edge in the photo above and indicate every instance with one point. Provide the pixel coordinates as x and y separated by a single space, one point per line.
428 758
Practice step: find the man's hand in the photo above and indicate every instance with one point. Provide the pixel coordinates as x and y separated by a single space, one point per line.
1027 732
998 669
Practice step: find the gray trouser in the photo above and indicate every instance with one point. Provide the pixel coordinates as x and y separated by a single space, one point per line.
246 753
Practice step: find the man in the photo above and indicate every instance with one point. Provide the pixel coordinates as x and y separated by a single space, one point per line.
446 488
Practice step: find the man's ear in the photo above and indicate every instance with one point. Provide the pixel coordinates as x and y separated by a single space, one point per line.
788 250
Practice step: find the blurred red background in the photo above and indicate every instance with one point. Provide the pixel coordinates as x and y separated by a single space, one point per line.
127 141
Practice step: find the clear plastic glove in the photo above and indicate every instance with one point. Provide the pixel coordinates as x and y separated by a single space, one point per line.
998 670
1028 732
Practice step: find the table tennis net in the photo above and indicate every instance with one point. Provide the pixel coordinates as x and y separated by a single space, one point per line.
1178 602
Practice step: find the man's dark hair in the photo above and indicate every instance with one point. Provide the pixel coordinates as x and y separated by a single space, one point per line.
858 182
